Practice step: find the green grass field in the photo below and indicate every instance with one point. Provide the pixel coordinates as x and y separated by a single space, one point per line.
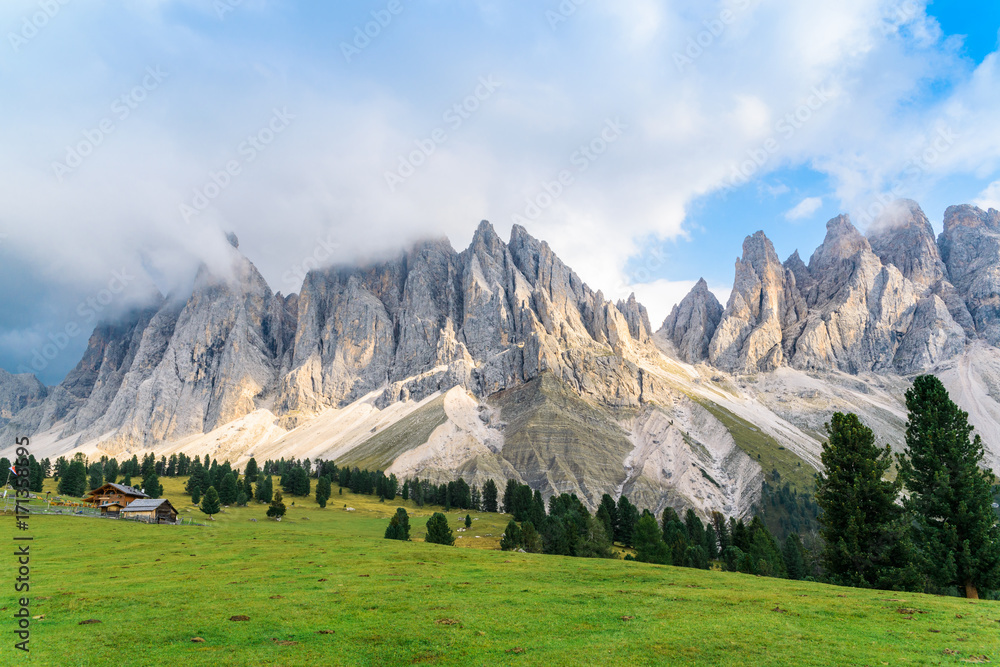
323 588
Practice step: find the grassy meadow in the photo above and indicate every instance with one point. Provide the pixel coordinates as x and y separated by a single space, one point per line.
323 588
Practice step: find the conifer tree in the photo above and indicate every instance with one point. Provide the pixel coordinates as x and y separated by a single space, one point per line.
241 499
611 509
251 471
792 552
210 504
227 489
490 496
399 526
438 531
262 493
605 519
323 490
468 521
531 538
512 537
649 546
628 517
864 530
151 485
195 495
950 494
276 509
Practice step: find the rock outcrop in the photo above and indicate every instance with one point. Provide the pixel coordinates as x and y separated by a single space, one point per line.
764 301
692 323
18 392
970 248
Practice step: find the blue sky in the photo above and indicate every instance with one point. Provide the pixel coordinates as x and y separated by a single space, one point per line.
644 139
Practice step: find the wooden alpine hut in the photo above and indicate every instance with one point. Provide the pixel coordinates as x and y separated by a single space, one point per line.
150 510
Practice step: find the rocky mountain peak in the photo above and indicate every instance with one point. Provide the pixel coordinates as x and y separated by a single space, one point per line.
903 236
843 241
692 323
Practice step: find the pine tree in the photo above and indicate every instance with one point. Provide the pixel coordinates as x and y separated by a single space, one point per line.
263 492
950 494
251 470
276 509
323 490
96 477
628 517
438 531
399 526
74 481
490 496
531 539
649 546
151 486
509 496
792 553
864 529
512 537
210 503
227 489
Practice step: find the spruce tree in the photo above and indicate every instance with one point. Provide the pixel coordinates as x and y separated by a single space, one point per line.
649 546
323 490
251 470
792 552
227 489
241 499
195 495
950 494
468 521
276 509
210 503
864 530
512 537
262 493
628 516
74 482
490 496
399 526
151 485
438 531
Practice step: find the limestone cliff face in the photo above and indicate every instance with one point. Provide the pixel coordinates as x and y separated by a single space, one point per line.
903 237
18 392
765 300
970 248
850 309
692 323
487 319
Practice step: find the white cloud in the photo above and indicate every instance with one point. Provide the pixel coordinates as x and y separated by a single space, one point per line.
660 296
990 197
804 208
819 95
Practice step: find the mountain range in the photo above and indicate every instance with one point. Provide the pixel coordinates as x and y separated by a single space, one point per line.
499 362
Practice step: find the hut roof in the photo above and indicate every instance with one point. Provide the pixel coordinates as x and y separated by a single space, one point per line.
147 505
124 490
